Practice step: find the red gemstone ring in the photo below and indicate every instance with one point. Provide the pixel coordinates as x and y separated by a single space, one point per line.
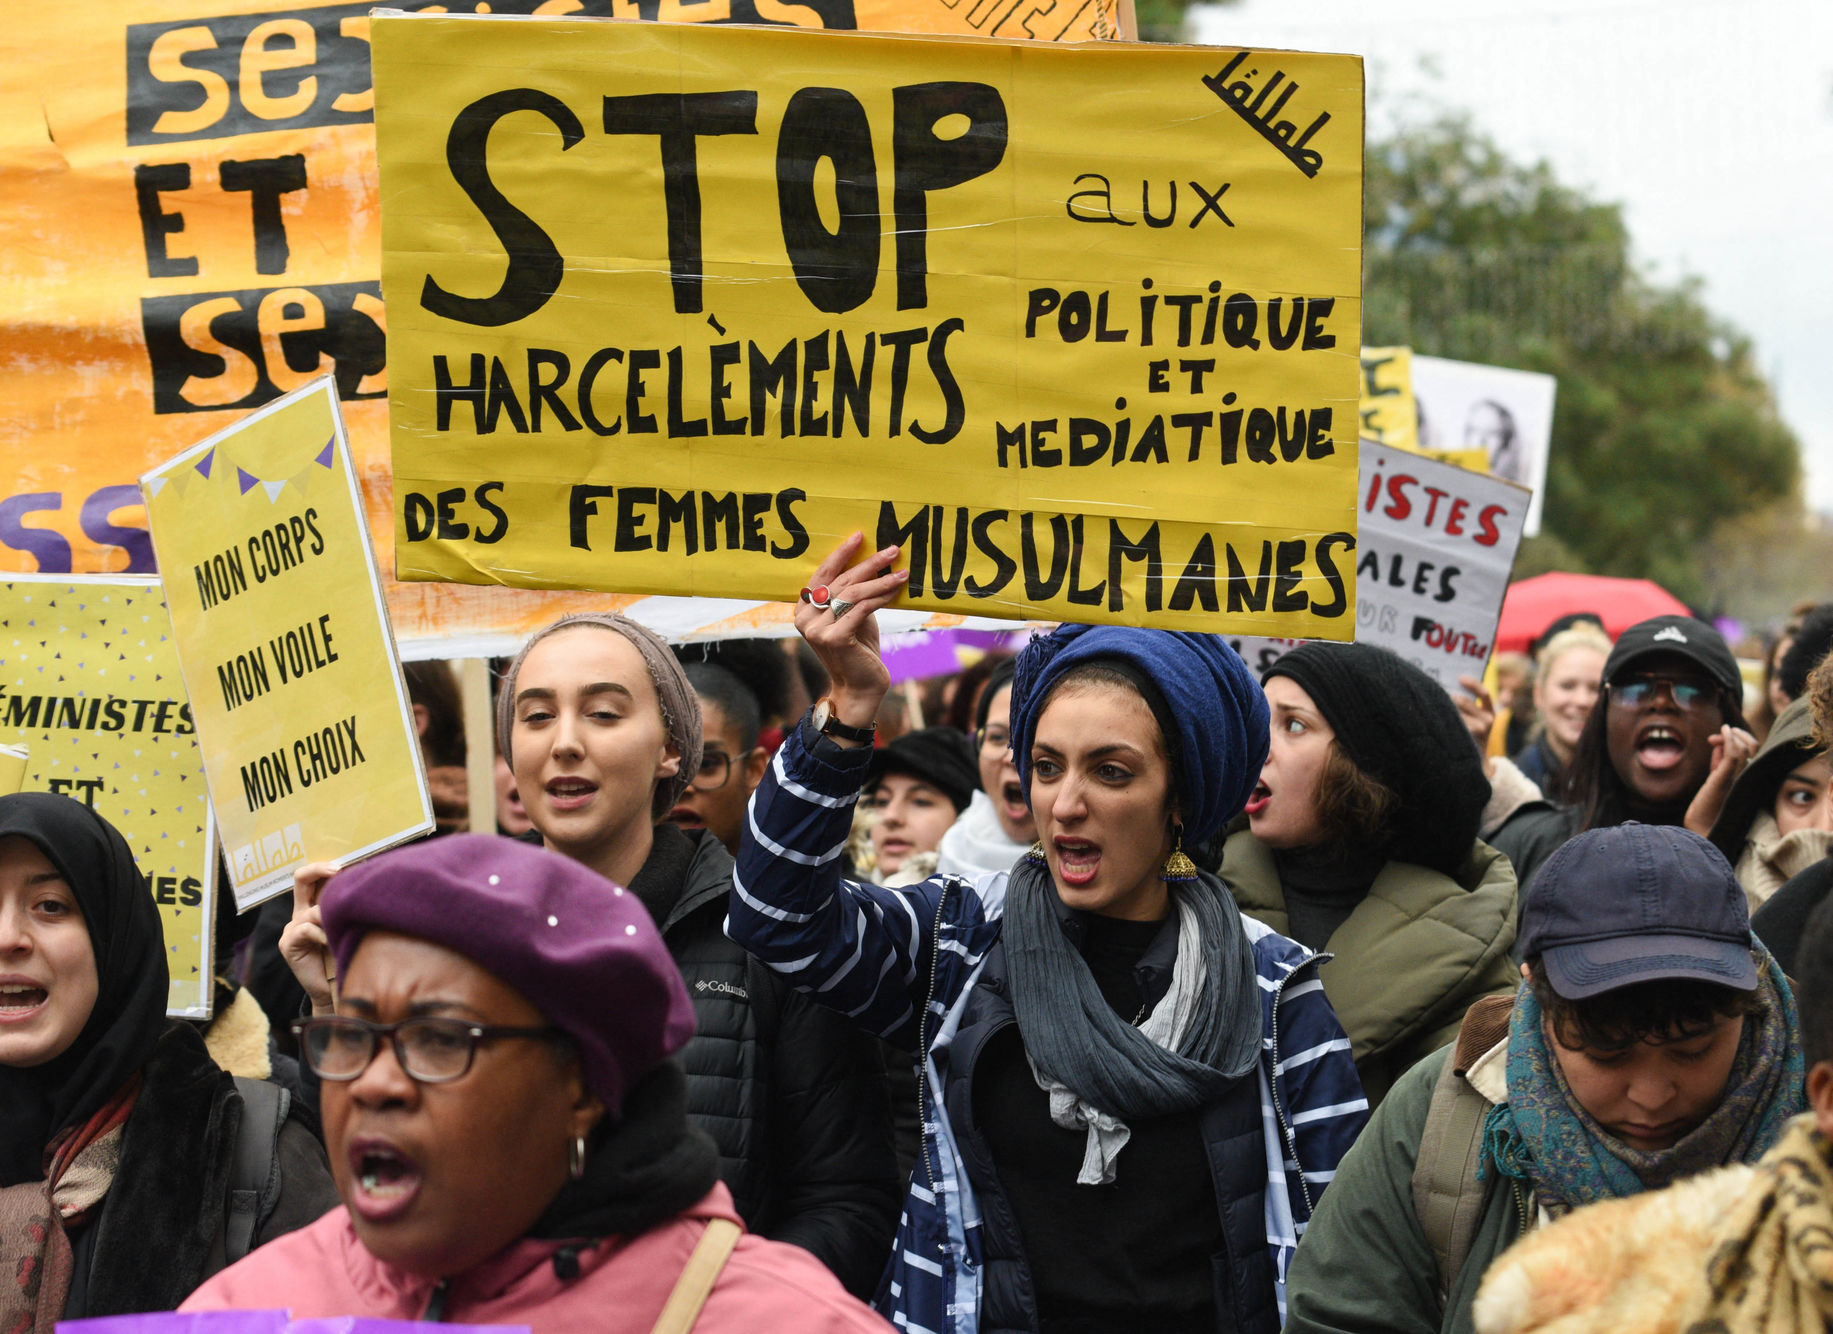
817 596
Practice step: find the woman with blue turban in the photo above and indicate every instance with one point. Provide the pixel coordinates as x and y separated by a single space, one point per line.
1132 1094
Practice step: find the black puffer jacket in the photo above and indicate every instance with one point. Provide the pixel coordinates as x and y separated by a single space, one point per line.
794 1096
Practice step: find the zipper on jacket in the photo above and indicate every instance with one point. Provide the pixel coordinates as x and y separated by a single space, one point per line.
1279 1109
935 961
436 1301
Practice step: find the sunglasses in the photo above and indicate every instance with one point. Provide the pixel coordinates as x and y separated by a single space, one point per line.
1639 690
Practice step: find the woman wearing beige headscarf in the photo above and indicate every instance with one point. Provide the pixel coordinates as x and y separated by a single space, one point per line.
602 731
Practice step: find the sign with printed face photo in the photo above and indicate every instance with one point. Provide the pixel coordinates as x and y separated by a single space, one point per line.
1503 416
283 637
674 309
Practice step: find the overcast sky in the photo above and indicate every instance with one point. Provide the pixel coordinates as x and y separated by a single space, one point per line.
1710 120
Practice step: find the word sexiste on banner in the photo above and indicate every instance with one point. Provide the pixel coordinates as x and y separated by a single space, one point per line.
673 310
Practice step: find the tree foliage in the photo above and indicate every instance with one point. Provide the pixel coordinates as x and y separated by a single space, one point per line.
1664 431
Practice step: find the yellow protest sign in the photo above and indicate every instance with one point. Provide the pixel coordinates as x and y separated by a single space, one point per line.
90 691
283 637
190 231
1389 414
673 309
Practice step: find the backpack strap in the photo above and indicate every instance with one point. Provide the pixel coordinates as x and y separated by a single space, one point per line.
698 1277
1446 1193
254 1175
1447 1196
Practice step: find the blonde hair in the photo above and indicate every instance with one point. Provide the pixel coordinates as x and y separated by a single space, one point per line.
1582 635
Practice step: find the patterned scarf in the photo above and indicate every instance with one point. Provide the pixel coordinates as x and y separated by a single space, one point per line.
1774 1271
36 1217
1542 1136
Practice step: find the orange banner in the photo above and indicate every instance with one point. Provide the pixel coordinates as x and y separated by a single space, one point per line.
191 230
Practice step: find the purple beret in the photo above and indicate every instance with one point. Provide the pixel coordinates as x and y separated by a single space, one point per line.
584 951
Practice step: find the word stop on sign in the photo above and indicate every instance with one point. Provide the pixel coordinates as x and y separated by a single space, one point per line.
943 134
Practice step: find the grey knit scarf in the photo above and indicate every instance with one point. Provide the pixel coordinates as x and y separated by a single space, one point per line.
1074 1038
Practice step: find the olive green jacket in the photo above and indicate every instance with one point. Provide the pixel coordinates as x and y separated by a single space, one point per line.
1416 953
1364 1265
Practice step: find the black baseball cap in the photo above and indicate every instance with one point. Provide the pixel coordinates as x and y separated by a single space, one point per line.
1636 903
1690 638
943 757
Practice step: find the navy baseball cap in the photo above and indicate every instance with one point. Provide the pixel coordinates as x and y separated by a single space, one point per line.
1635 903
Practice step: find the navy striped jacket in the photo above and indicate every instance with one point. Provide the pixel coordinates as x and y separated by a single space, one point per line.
900 962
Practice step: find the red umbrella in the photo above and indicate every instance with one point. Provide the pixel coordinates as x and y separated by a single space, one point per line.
1534 604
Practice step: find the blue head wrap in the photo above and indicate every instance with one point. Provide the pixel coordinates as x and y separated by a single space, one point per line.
1215 712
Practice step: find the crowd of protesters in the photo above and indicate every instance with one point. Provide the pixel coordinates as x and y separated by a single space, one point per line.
1131 993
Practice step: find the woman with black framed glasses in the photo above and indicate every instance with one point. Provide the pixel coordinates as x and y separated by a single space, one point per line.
508 1127
731 760
119 1134
601 728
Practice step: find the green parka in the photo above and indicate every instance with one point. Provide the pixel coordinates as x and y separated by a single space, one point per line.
1417 952
1364 1265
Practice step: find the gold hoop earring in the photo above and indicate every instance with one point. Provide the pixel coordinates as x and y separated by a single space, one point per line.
576 1157
1178 869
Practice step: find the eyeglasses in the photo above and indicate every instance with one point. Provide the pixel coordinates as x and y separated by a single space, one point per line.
1639 690
429 1050
995 738
715 769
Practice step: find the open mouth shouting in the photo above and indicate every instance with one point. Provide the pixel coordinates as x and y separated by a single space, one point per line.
1012 798
1258 801
384 1179
21 999
1659 747
1078 861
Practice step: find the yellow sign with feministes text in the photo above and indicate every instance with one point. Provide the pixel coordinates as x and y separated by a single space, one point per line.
673 309
283 637
92 706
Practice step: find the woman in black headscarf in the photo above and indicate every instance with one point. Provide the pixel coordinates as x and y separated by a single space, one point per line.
1362 843
117 1131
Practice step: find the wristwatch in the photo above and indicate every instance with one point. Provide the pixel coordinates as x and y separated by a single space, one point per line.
822 716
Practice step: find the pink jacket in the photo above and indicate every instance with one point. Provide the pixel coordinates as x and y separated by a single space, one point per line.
323 1271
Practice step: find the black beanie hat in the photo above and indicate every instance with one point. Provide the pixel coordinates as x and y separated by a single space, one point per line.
1398 726
943 757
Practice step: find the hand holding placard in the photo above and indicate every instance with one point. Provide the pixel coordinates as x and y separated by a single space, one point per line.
303 944
310 746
